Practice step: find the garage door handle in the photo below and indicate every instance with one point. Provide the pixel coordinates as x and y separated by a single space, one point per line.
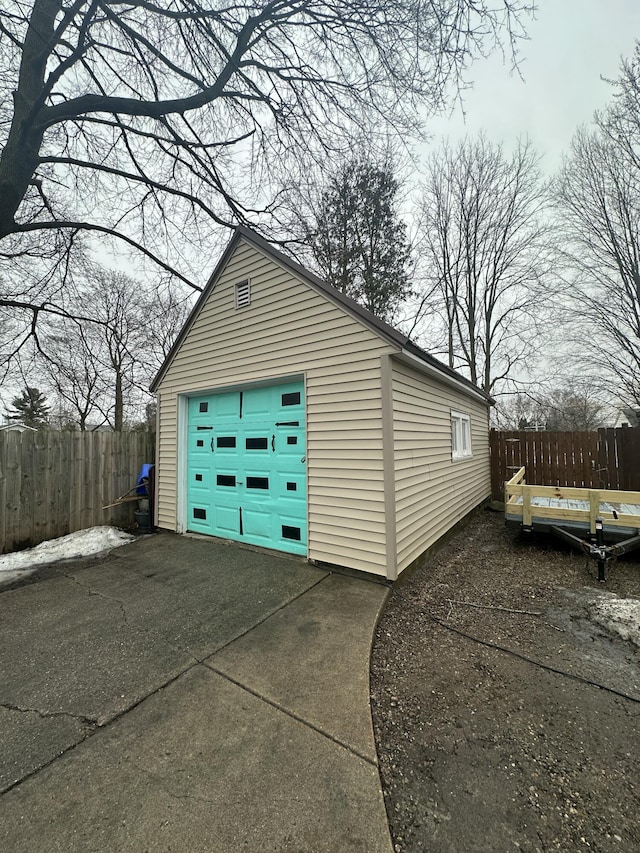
273 443
212 444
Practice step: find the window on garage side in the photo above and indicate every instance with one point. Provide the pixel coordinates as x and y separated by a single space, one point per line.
460 435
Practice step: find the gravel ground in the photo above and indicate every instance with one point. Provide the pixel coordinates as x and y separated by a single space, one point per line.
499 730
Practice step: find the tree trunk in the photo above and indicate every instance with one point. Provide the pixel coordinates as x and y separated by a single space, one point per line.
20 156
119 404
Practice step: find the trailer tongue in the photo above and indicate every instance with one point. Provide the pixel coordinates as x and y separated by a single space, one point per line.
598 550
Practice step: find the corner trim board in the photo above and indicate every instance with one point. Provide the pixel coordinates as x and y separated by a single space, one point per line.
389 467
181 472
156 500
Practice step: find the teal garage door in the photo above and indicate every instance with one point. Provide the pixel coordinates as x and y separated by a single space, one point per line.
246 466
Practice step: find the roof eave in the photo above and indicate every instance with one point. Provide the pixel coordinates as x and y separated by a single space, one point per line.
231 245
414 354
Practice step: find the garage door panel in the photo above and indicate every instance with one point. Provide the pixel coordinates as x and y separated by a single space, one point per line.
290 444
225 407
289 402
257 405
257 524
291 485
226 442
200 445
225 478
290 514
226 520
199 411
292 533
200 482
200 516
257 443
257 483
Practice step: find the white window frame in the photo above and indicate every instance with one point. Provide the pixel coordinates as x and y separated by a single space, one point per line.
460 435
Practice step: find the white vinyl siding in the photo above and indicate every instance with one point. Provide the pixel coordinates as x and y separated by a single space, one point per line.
433 492
289 329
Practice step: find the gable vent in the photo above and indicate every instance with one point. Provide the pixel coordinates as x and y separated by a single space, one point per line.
243 294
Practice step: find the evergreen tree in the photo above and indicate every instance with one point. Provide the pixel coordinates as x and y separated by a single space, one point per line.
30 408
359 241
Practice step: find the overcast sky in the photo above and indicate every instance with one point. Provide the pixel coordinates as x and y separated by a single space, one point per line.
572 44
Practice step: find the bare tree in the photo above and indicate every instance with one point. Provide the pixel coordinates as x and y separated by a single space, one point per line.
488 246
129 120
74 375
598 191
577 404
574 407
519 410
100 370
166 309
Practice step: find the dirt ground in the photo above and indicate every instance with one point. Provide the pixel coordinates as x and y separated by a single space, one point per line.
499 730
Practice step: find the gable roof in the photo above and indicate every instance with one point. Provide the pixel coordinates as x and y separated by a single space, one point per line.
417 356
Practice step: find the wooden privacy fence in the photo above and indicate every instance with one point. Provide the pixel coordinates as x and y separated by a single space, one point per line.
53 483
606 459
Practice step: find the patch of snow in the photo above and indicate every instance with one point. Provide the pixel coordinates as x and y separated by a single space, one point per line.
619 615
82 543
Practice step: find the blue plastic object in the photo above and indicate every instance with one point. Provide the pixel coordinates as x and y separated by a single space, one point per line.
143 479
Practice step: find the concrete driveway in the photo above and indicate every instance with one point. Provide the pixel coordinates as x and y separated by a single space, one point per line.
188 695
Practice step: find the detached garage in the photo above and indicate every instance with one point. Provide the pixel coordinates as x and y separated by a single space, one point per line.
290 417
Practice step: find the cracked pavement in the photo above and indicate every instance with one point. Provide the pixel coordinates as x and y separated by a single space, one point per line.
188 694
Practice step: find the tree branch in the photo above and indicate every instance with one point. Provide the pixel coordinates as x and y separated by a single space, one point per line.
89 226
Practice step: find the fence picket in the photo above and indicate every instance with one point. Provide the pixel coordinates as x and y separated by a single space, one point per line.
53 483
607 459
